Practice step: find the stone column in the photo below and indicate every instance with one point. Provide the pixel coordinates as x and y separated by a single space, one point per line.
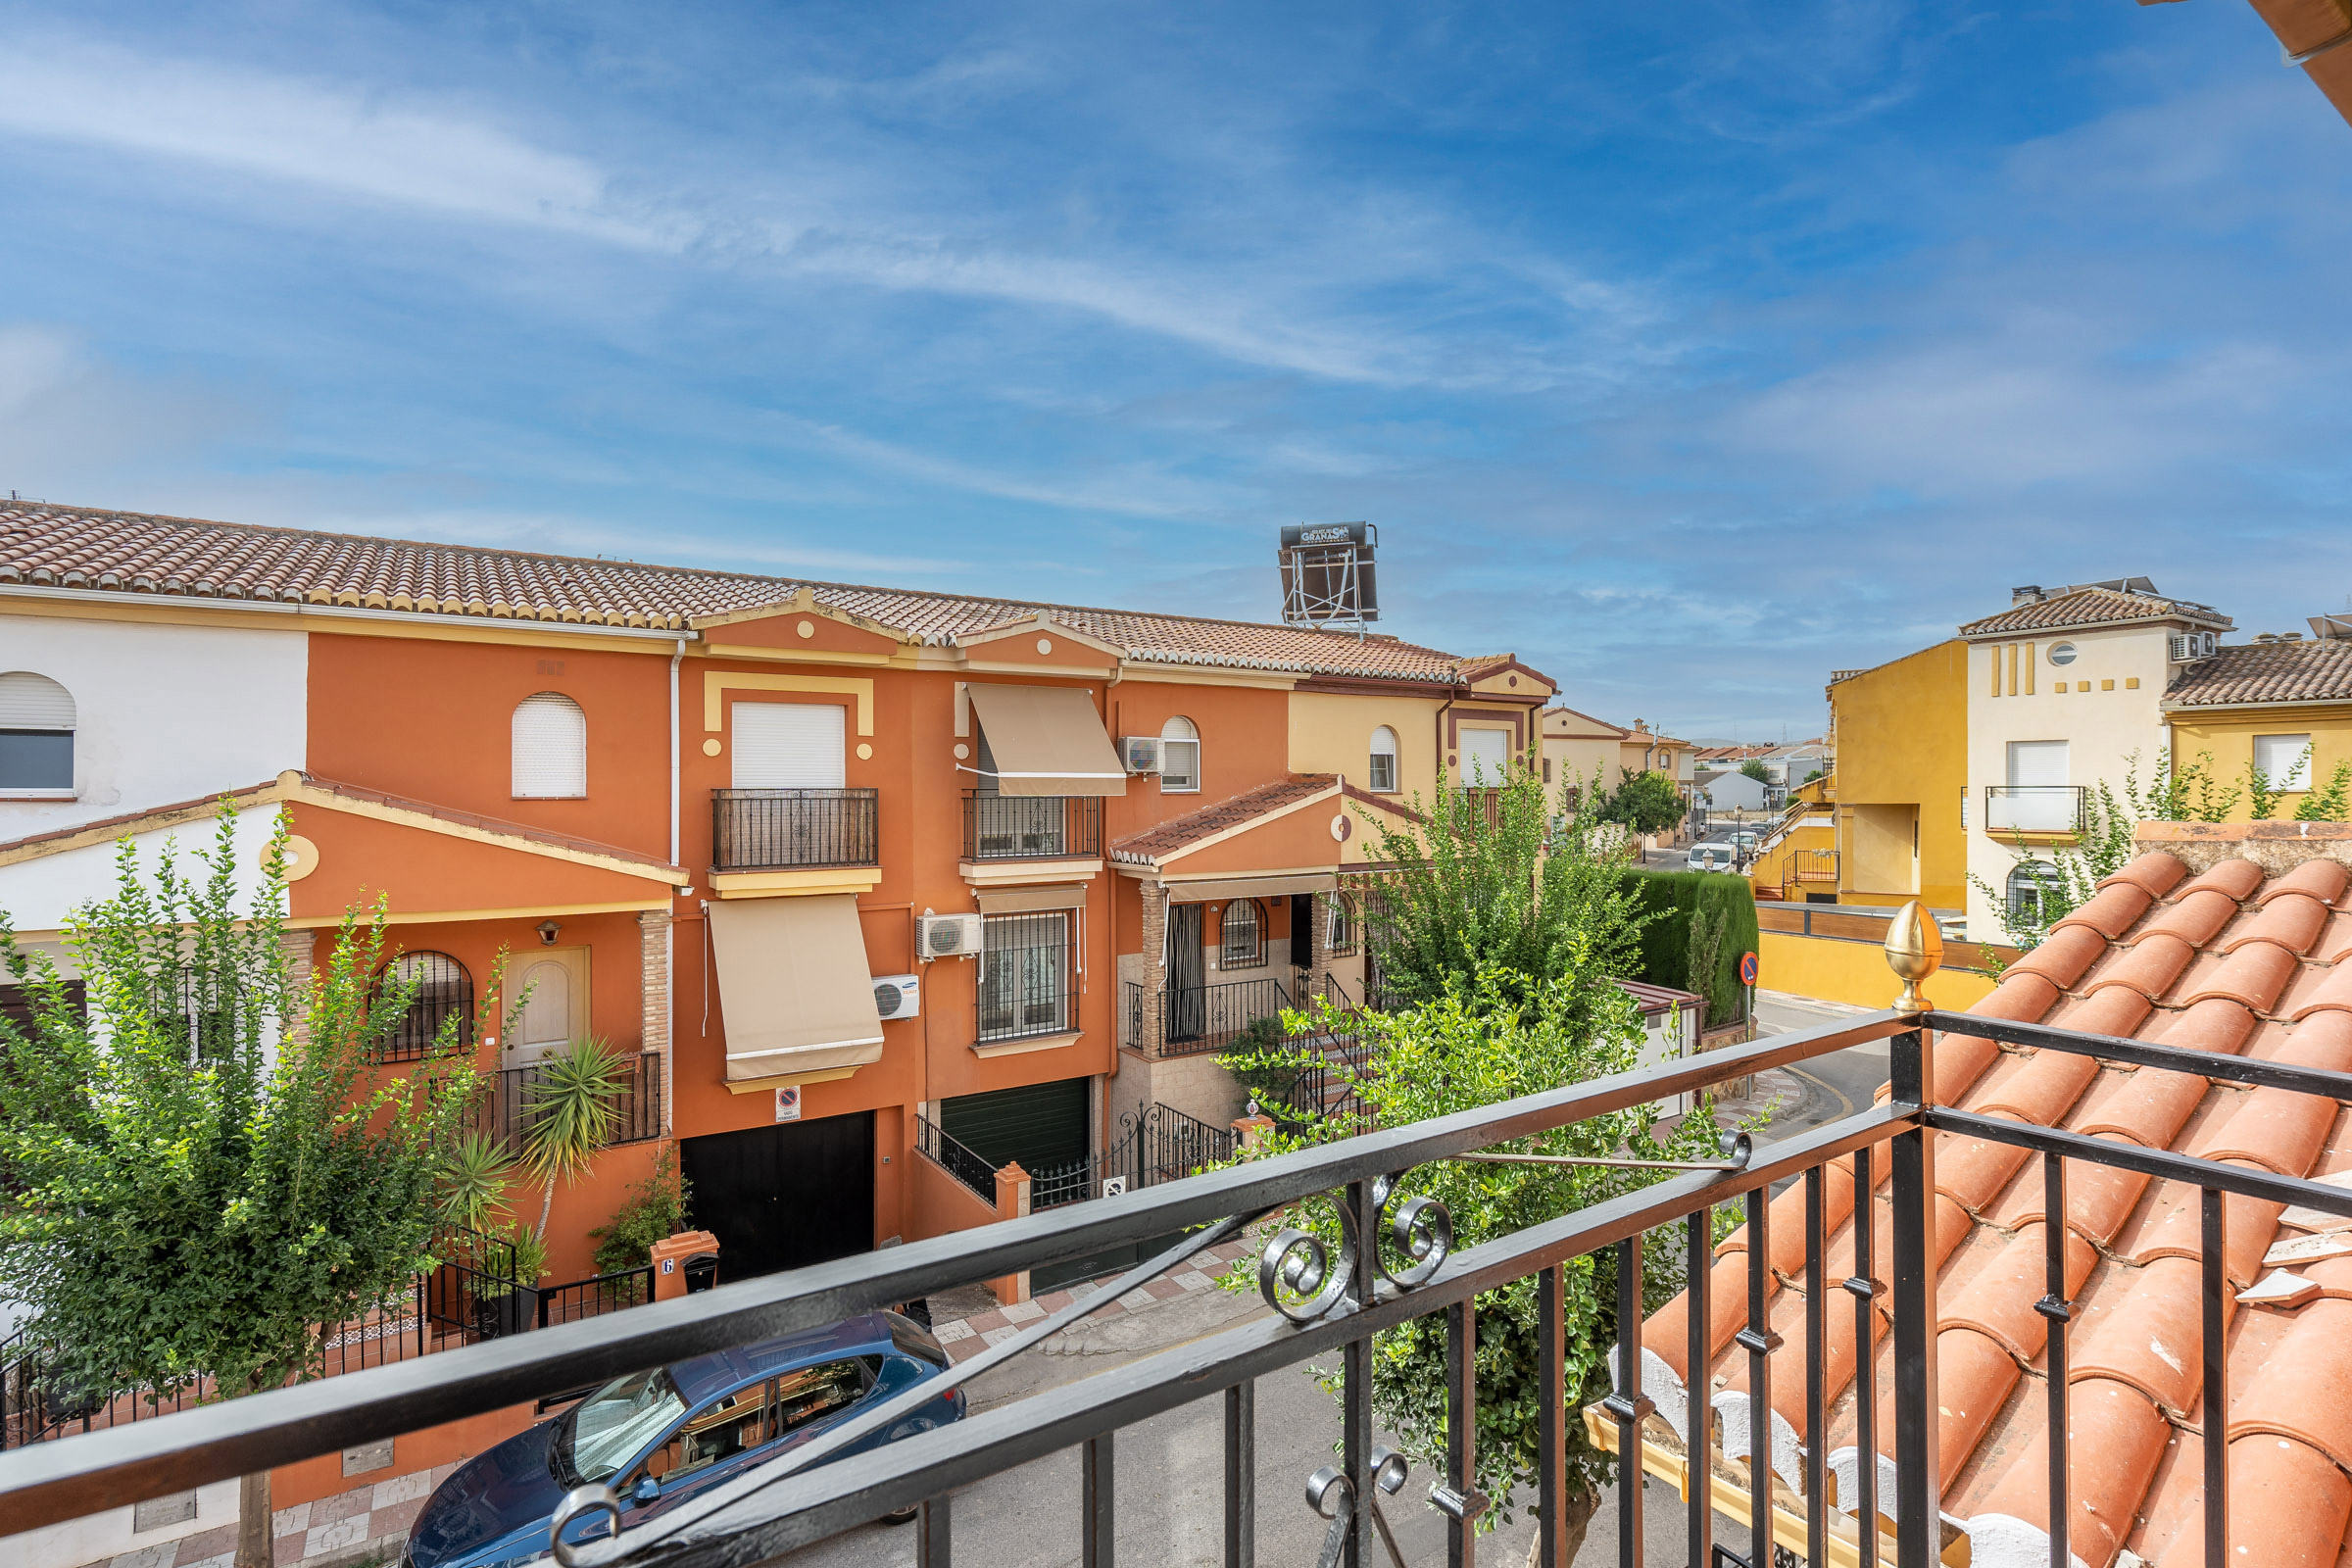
300 948
1155 972
653 938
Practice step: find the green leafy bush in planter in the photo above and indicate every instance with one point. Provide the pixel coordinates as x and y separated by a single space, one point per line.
1260 1063
653 1208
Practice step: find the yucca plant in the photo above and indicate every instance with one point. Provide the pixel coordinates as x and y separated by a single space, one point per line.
573 1109
473 1180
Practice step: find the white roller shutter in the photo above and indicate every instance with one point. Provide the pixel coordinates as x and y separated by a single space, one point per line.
789 746
550 748
34 702
1486 756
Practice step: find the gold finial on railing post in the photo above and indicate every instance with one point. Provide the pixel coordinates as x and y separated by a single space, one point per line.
1914 952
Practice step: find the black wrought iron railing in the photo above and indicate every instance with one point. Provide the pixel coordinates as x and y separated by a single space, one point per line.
1198 1018
1388 1259
1813 865
575 1300
792 830
2034 808
508 1103
1031 827
957 1161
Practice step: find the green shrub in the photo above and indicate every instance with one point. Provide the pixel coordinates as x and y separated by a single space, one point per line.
653 1208
1692 912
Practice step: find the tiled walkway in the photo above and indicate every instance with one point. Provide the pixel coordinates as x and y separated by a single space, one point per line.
365 1522
965 1338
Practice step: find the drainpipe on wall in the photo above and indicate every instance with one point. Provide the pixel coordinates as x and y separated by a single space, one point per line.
670 956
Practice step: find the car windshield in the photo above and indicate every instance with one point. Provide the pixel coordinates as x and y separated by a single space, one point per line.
612 1425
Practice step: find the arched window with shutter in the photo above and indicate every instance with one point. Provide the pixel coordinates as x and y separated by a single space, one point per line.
1382 779
550 748
1179 757
36 735
444 990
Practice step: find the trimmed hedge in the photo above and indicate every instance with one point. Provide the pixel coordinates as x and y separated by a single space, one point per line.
1675 897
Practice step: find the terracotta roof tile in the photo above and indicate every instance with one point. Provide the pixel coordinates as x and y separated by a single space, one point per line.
2205 970
2266 673
2156 871
2093 606
1235 810
134 552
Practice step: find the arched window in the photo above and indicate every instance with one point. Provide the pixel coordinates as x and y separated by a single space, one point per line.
1339 923
2031 883
1243 942
444 990
1383 777
36 735
1179 756
550 748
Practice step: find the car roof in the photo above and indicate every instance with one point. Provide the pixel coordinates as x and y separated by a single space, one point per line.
705 1376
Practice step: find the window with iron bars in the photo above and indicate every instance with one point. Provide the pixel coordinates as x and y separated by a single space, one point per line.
1027 976
443 989
1244 943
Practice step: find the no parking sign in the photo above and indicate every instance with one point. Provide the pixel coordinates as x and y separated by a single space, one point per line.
1747 968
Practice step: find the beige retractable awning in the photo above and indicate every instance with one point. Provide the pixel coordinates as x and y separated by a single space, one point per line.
1047 740
1021 901
795 986
1254 886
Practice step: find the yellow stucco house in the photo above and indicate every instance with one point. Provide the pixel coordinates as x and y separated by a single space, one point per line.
2268 703
1899 732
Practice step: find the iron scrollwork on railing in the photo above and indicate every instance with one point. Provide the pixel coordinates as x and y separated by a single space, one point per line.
1299 1278
1331 1495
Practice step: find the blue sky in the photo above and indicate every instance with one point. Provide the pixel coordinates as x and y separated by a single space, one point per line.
1689 351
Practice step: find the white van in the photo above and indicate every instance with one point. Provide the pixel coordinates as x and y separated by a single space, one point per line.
1710 858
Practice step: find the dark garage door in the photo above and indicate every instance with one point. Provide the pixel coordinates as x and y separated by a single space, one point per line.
1041 1125
784 1196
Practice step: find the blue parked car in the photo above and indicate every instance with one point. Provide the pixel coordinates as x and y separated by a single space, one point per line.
661 1436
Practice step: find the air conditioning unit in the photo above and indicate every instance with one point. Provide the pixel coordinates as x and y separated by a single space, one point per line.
1141 753
898 996
947 936
2193 645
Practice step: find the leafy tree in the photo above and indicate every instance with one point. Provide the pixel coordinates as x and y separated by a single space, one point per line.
206 1174
1492 880
653 1208
1816 773
1479 1042
1647 802
1755 769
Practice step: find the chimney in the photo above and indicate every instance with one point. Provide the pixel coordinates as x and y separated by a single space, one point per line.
2029 594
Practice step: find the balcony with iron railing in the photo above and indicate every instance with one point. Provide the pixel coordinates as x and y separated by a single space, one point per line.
1207 1017
1031 827
794 830
508 1102
2038 810
1385 1258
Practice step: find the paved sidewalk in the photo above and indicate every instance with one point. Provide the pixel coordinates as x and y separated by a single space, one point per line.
966 1337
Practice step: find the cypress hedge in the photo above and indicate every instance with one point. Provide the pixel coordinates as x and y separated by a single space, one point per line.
1683 902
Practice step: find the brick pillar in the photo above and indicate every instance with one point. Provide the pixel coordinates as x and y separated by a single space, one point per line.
300 948
1156 972
1252 1131
1013 1201
652 940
